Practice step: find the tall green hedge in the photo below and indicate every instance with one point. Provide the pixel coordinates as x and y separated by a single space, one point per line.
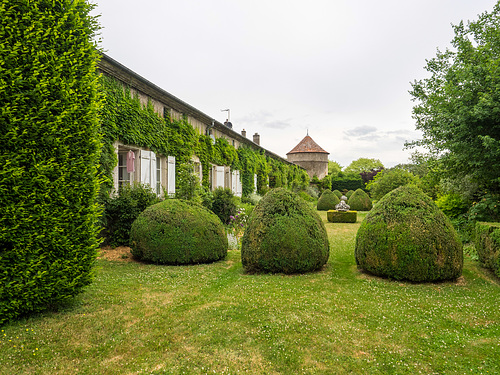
487 242
347 182
49 150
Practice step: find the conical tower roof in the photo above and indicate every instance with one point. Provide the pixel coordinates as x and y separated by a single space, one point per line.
307 145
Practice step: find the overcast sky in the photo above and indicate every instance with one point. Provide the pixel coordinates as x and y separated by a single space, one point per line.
340 69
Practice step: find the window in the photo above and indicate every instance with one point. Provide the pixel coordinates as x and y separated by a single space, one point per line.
124 173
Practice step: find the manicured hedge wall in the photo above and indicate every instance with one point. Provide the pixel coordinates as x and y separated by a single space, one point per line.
49 152
487 241
347 182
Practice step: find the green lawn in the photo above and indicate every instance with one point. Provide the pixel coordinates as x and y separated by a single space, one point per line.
215 319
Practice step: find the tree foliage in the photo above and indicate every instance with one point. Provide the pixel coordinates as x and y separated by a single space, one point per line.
458 107
363 165
334 168
388 180
49 137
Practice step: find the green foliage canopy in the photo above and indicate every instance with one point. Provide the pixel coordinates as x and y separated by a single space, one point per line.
388 180
458 107
363 165
49 137
334 168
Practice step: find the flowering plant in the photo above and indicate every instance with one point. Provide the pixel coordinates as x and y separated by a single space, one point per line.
238 221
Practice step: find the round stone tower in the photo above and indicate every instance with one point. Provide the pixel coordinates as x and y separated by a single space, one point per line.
310 156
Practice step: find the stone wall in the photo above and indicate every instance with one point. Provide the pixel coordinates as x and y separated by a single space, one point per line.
316 164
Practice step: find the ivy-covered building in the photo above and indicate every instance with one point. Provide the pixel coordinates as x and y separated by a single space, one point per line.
154 138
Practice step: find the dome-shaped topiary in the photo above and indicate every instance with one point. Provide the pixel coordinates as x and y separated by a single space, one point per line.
327 201
337 193
178 232
349 193
360 201
284 234
406 237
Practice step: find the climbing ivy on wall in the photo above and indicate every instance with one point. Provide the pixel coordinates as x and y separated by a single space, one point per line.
125 118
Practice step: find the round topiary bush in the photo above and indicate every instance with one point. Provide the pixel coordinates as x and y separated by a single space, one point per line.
406 237
176 231
360 201
349 193
284 234
327 201
337 193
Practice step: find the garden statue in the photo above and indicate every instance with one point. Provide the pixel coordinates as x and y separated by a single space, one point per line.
342 206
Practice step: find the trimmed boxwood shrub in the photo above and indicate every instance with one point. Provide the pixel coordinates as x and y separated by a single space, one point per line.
284 234
360 201
349 193
487 242
327 201
49 137
341 216
407 237
337 193
176 231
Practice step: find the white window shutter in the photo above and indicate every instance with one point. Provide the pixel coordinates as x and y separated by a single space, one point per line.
171 176
219 172
146 167
239 187
152 171
233 181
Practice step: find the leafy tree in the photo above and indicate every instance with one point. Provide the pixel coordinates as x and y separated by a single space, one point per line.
334 168
458 106
388 180
367 176
49 153
363 165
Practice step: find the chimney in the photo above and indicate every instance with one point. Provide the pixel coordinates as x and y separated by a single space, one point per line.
244 133
256 138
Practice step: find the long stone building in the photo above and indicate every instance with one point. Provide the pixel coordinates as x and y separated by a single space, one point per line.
139 164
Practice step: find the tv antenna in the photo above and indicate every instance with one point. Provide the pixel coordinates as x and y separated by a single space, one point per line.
228 113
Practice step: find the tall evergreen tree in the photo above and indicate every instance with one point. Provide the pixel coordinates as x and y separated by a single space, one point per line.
49 151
